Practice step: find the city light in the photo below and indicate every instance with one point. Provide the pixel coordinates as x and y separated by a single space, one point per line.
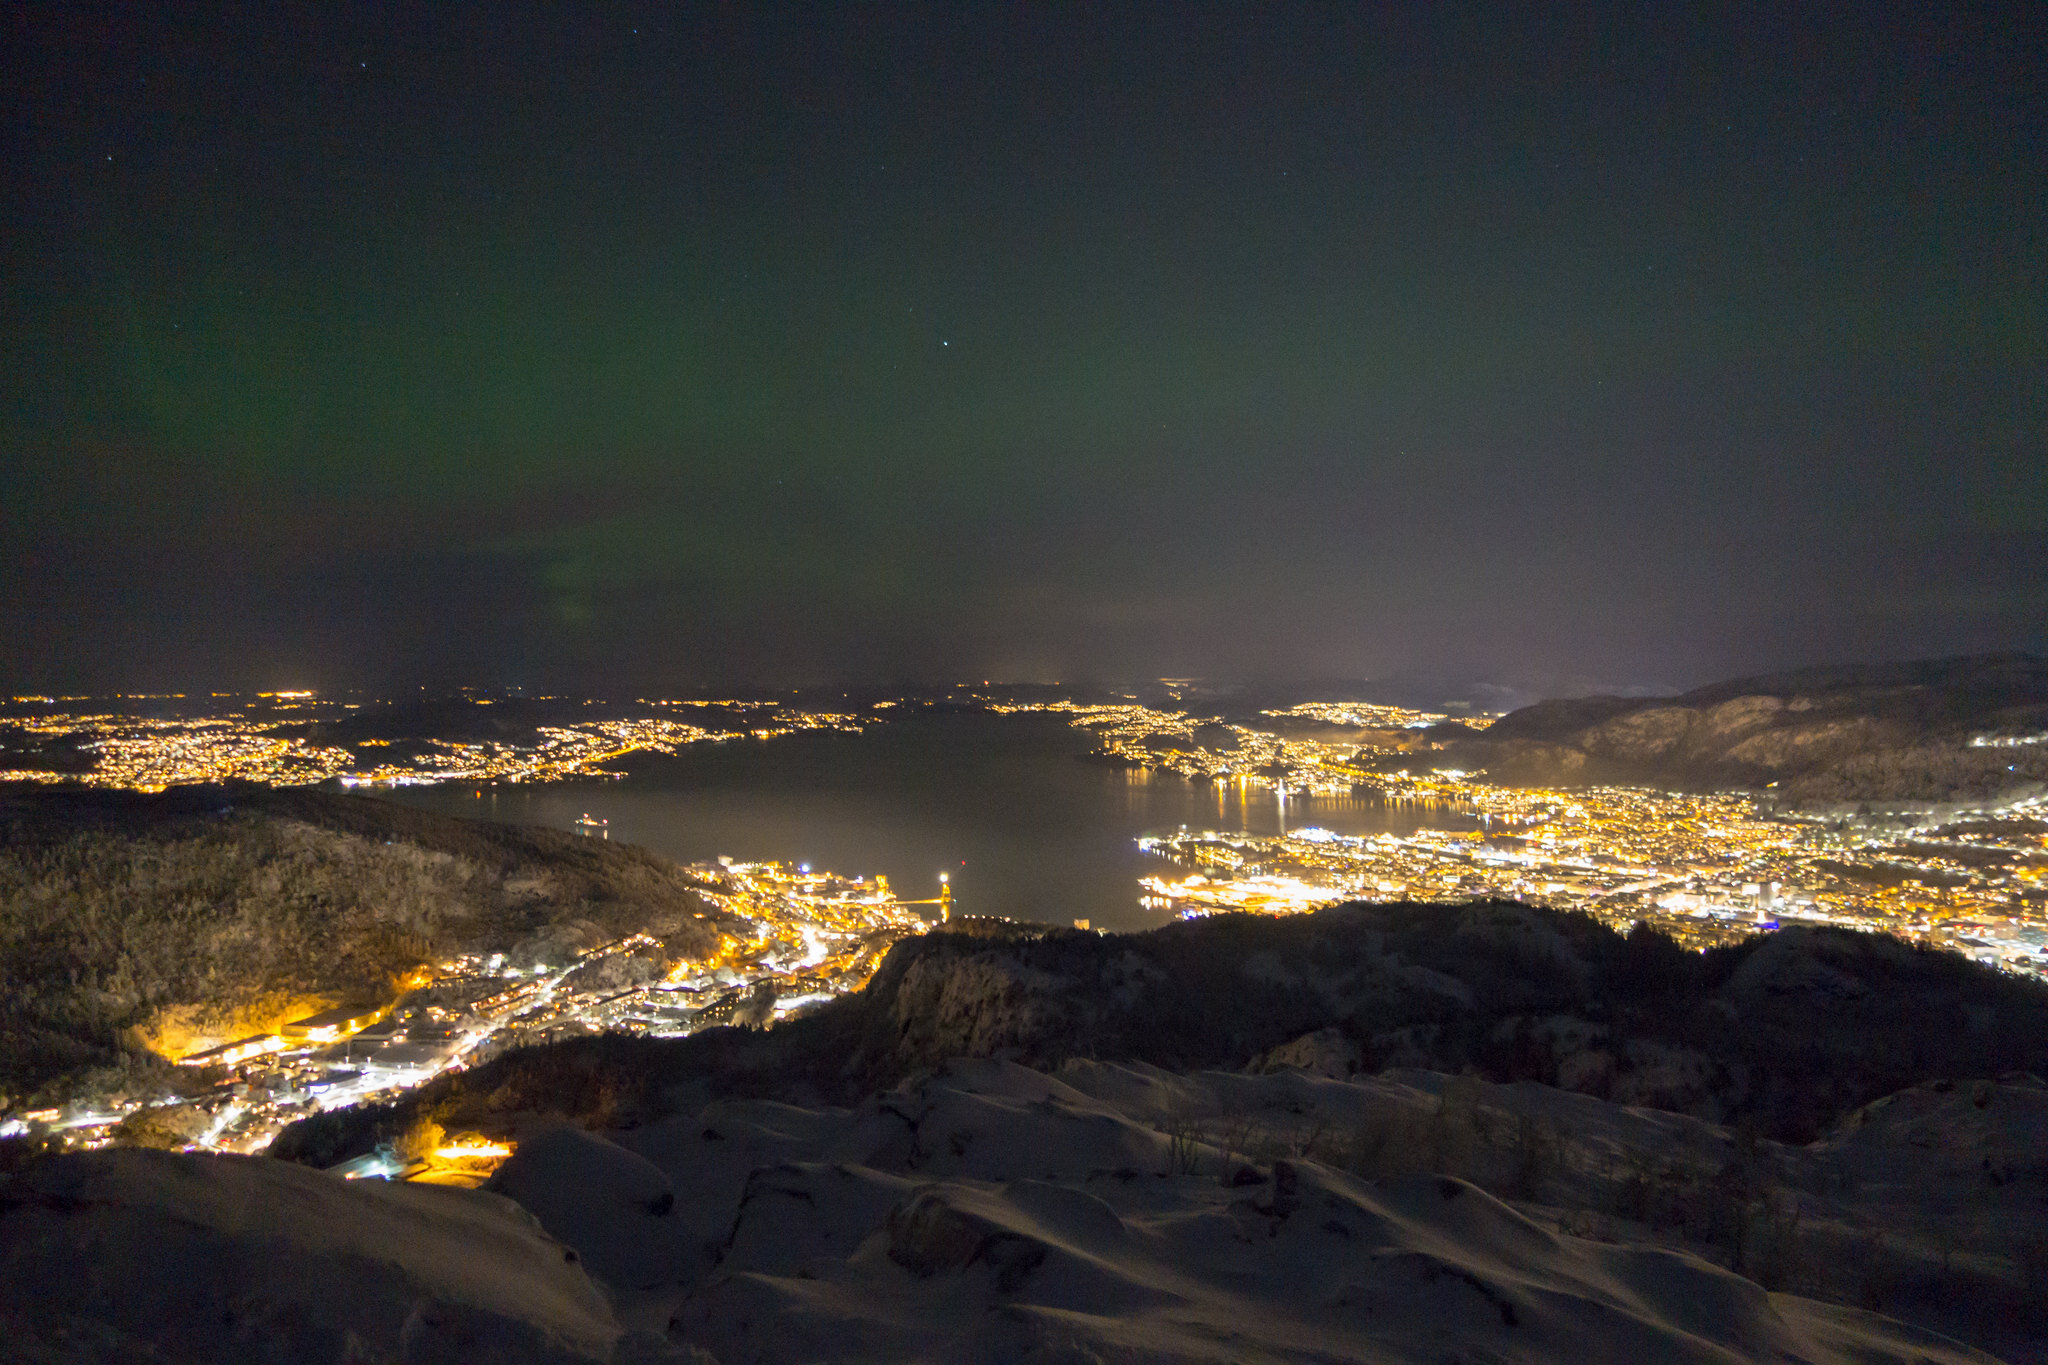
1702 868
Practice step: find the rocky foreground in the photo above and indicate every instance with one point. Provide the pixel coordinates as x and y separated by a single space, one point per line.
1785 1033
1482 1133
997 1213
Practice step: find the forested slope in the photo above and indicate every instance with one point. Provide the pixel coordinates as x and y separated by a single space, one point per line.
127 920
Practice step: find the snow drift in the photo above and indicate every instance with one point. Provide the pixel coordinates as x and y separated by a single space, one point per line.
984 1212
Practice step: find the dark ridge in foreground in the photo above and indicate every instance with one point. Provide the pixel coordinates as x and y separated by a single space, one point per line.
1785 1033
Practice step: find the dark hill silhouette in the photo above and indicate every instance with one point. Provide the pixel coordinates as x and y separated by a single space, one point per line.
1788 1032
1898 732
511 720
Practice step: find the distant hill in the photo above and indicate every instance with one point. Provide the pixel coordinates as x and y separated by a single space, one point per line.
510 720
1834 735
125 917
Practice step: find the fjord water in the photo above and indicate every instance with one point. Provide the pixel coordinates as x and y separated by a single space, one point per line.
1006 805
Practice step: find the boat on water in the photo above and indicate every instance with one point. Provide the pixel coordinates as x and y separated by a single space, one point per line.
586 824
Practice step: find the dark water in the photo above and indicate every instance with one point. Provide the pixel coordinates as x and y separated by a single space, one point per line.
1004 804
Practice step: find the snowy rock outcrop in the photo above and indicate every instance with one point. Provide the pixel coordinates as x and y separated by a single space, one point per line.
1326 1052
615 1207
1000 1214
1787 1032
156 1256
991 1212
1104 1212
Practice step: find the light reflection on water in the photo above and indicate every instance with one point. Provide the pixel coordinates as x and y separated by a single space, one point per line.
1006 805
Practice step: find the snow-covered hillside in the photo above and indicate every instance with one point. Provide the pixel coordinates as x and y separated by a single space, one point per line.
136 1255
990 1212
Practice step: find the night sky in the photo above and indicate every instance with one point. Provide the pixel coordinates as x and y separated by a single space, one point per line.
617 347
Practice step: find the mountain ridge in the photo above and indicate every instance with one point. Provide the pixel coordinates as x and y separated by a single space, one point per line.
1789 1032
1829 735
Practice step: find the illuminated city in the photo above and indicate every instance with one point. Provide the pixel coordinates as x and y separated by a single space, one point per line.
1290 682
150 753
790 938
1704 869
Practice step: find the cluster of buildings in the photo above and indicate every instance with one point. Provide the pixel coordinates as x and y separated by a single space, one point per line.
813 934
149 754
1370 716
1703 869
792 938
1141 736
265 738
1275 752
559 753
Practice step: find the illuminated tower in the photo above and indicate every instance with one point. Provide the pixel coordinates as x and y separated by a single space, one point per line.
945 898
